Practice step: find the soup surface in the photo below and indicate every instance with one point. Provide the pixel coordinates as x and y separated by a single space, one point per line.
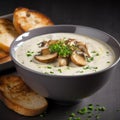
100 57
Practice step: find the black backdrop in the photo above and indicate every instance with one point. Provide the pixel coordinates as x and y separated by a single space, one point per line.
104 15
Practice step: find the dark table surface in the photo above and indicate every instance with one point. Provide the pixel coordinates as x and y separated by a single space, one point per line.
98 14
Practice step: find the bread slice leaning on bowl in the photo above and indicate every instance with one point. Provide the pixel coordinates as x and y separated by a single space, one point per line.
7 34
25 19
17 96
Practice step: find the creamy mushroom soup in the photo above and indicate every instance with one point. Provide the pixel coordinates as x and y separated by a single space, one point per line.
64 54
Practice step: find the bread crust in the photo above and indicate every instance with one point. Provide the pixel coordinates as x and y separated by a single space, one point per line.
25 19
3 54
13 91
7 34
5 59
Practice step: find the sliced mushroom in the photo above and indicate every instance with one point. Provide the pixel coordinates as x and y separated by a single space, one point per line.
42 44
62 61
71 42
46 58
83 48
78 59
50 42
45 51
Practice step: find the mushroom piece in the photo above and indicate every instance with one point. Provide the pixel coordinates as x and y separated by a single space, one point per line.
46 58
78 59
83 48
62 61
70 42
42 44
50 42
45 51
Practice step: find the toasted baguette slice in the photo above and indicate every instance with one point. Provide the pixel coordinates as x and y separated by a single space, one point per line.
3 54
25 19
17 96
7 34
5 59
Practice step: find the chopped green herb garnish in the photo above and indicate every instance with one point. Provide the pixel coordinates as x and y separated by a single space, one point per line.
86 67
39 43
77 118
97 117
108 61
72 115
102 108
51 72
95 67
90 107
70 118
107 52
29 53
60 70
61 48
89 112
83 110
31 61
90 59
49 67
97 54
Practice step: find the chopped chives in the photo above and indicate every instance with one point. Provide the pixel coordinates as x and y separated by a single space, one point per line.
70 118
90 107
72 115
51 72
49 67
90 59
95 67
77 118
29 53
86 67
81 71
97 54
59 70
102 108
88 112
83 110
97 117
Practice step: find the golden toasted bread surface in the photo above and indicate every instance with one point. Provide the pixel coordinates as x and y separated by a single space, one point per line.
3 54
17 96
7 34
25 19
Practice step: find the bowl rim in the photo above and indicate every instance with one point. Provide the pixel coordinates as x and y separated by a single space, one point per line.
55 75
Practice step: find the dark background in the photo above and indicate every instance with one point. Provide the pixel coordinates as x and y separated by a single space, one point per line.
103 15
